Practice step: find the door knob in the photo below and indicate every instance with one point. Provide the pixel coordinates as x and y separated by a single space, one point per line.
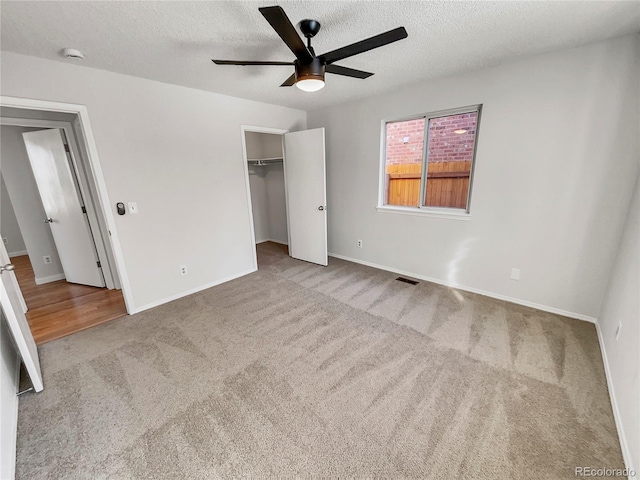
321 207
48 220
7 268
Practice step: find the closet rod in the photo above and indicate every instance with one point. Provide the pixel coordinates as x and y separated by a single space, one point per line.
263 161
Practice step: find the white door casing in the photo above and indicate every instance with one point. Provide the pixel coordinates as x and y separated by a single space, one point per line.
62 205
12 307
94 175
305 179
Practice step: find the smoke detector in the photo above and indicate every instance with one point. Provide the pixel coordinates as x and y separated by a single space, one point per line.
72 53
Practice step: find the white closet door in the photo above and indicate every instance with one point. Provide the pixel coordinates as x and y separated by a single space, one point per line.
12 308
305 177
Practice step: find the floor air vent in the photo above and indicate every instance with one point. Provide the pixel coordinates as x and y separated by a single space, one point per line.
406 280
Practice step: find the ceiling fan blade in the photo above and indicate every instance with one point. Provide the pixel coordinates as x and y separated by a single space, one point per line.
289 81
365 45
347 72
248 62
283 27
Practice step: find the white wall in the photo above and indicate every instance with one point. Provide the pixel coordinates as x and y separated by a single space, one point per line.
263 145
9 412
258 186
556 161
9 228
268 200
27 204
277 203
253 144
175 151
271 145
621 305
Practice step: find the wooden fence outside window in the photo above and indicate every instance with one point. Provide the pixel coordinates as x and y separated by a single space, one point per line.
447 184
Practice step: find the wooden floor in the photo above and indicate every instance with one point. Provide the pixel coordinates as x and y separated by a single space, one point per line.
58 309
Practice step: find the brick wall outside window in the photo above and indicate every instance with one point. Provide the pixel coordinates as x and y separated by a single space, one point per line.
399 152
404 141
447 146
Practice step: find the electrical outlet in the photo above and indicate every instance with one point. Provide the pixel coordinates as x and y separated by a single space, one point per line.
133 208
183 270
5 240
515 274
618 330
359 243
47 259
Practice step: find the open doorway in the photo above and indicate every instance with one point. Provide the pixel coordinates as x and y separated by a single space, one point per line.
55 232
264 157
286 186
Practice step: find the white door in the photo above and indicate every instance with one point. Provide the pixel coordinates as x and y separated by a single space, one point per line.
10 296
305 178
68 222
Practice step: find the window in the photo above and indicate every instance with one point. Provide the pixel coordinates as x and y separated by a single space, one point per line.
428 160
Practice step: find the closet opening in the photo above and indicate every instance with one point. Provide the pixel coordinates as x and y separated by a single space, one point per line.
264 159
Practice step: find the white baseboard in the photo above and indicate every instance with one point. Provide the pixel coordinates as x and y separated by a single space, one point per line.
498 296
274 241
52 278
192 291
624 446
18 254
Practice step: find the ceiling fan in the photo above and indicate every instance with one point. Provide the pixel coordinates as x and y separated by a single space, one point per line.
309 67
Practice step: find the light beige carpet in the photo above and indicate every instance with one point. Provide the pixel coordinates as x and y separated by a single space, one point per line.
300 370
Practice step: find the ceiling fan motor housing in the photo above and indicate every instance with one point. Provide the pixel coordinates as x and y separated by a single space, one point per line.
309 28
310 71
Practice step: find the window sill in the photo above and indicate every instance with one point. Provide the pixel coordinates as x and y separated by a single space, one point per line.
424 212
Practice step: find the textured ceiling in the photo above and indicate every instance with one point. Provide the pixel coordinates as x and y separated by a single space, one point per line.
173 42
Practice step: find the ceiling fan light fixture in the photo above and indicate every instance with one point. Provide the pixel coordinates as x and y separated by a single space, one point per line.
310 77
310 84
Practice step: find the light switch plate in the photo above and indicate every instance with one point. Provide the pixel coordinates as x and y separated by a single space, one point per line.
515 274
133 208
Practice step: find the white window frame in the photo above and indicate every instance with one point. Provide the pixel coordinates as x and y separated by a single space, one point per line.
421 209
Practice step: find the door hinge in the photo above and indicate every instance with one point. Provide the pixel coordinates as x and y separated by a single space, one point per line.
66 148
99 264
84 209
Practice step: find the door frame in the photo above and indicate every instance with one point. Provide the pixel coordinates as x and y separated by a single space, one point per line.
80 177
245 166
94 177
